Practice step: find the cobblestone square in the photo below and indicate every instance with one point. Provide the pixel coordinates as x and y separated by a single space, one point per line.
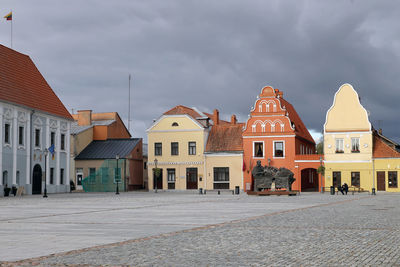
187 229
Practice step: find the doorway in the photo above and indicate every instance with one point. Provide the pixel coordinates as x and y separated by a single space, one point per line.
309 180
191 178
37 179
380 176
337 179
158 180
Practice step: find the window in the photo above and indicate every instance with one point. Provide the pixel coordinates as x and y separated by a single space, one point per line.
37 137
192 148
355 179
355 145
174 148
104 175
92 175
157 149
62 145
21 135
145 165
171 178
61 176
52 138
258 149
392 179
51 175
5 178
339 146
278 149
7 133
221 178
175 124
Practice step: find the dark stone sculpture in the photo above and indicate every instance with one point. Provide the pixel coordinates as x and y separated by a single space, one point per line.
265 176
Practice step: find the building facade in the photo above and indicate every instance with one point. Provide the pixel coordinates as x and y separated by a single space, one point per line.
91 153
355 153
275 135
33 119
348 141
194 150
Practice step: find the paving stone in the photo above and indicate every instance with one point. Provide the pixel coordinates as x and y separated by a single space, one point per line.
186 229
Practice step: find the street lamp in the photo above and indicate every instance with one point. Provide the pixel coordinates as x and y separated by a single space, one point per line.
116 176
373 178
155 175
46 152
320 161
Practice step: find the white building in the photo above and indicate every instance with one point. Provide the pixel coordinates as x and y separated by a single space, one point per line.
33 118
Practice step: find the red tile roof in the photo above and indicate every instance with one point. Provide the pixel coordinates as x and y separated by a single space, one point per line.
384 148
21 83
225 138
300 128
180 110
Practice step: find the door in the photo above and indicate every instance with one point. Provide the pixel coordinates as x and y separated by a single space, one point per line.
158 181
381 186
37 179
191 178
337 179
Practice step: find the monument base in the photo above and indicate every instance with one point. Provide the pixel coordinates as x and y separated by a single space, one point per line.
273 193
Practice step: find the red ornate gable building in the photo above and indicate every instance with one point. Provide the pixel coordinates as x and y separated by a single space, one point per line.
275 135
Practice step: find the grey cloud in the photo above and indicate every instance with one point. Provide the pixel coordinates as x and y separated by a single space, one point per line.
213 54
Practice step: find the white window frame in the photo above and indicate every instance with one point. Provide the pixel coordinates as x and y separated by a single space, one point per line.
358 139
336 145
40 137
23 136
273 149
10 128
253 155
65 141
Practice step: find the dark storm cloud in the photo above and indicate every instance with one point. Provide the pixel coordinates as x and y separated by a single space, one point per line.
213 54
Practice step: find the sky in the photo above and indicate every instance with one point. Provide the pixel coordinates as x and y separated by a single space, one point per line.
212 54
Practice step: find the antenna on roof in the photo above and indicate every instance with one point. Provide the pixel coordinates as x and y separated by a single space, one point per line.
129 105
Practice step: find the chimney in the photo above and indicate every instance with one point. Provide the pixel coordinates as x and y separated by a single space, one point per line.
84 117
380 131
233 119
216 117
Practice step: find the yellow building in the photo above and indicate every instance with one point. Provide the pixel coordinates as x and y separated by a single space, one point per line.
348 141
355 153
177 144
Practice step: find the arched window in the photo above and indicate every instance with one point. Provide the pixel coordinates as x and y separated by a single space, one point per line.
5 177
174 124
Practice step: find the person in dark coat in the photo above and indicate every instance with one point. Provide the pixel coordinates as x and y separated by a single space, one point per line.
345 188
340 189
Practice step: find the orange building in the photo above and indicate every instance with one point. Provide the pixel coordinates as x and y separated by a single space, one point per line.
275 135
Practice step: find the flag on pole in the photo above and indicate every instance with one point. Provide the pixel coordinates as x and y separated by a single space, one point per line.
8 16
51 150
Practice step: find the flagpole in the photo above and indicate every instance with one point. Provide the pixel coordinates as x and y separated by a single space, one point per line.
11 30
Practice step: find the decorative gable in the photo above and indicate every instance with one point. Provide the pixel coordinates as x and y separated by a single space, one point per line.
346 113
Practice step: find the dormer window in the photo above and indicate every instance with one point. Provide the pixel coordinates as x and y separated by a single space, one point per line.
175 124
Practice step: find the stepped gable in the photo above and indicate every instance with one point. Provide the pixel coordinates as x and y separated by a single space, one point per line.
225 138
21 83
384 147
